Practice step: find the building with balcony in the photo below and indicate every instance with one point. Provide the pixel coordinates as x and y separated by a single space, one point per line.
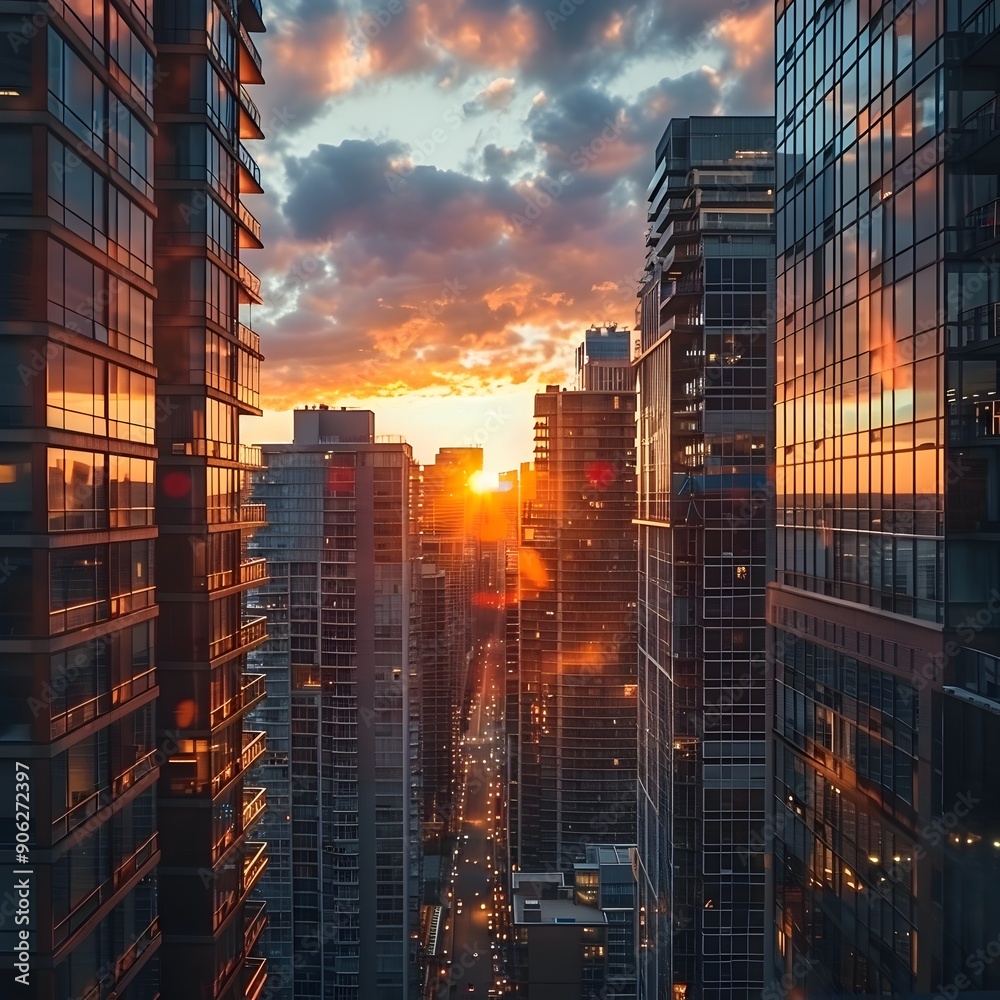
208 363
77 528
130 724
703 357
343 892
576 671
450 543
885 811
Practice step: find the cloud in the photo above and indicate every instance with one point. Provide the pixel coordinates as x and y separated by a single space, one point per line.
495 96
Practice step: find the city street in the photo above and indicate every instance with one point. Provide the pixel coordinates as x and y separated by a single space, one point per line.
473 934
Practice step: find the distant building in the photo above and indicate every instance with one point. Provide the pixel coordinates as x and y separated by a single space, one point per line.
577 669
575 942
603 360
341 683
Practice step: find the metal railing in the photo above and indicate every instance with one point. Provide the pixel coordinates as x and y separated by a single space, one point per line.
253 571
248 338
254 745
79 715
249 164
249 221
249 279
254 865
251 49
979 324
254 803
983 21
983 223
253 513
253 630
135 950
256 921
256 970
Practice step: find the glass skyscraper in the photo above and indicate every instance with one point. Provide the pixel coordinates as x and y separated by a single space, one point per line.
885 815
702 351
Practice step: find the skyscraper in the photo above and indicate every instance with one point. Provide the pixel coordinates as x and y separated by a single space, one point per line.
208 362
84 651
77 603
702 358
576 672
886 807
342 556
449 541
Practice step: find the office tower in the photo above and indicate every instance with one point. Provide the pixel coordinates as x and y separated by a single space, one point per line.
208 362
449 541
886 806
702 359
77 604
576 746
342 561
603 360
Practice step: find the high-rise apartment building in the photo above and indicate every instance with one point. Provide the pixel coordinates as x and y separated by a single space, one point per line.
450 542
103 159
77 602
208 362
702 358
886 806
342 562
576 672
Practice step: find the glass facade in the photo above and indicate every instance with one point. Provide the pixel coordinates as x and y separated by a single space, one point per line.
577 691
884 822
78 617
341 696
703 361
208 360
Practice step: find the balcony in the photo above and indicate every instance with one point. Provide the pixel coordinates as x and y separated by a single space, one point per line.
138 948
980 129
250 283
982 224
249 339
79 715
251 65
250 694
141 857
978 325
251 227
980 30
251 14
133 775
254 803
253 630
249 173
256 977
254 745
255 922
254 864
253 571
249 116
253 513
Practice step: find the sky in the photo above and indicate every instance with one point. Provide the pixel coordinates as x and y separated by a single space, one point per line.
456 191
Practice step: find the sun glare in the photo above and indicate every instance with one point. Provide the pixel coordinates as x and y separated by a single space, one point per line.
484 482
